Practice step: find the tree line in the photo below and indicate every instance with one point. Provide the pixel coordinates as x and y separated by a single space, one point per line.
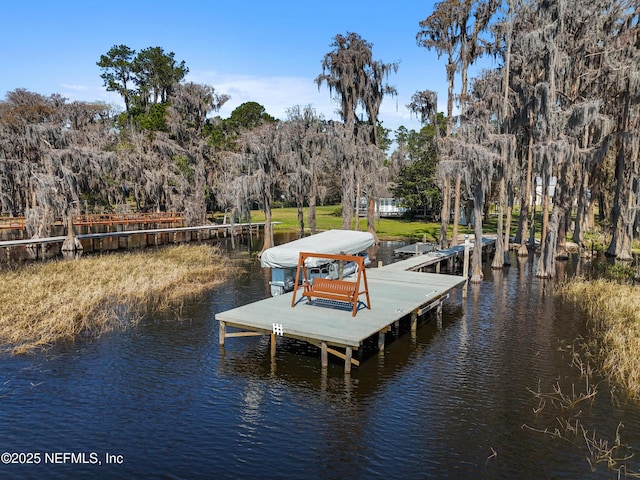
168 151
560 110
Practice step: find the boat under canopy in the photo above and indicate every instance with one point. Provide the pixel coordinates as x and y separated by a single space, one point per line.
348 242
283 259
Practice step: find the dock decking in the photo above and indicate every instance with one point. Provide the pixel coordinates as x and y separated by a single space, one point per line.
418 248
395 291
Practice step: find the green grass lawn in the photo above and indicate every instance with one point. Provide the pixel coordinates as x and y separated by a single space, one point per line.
401 229
386 228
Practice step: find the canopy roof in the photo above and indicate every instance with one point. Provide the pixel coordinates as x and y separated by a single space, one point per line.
286 255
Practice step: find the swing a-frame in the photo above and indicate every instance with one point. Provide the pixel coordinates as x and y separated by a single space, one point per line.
339 290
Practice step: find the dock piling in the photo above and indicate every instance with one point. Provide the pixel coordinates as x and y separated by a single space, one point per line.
381 336
324 355
347 360
465 266
223 326
414 324
273 345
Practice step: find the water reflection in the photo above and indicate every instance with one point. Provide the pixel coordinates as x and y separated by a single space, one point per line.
448 402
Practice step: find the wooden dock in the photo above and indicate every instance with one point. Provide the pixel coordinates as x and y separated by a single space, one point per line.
397 291
433 258
108 219
153 236
418 248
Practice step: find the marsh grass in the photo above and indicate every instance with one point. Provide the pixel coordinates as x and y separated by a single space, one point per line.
612 351
613 310
569 424
41 304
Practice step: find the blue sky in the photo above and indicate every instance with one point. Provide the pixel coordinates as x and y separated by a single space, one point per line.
263 51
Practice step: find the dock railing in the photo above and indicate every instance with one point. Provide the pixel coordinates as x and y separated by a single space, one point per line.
93 219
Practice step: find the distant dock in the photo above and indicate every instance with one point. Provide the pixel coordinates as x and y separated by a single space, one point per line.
418 248
137 238
92 220
433 258
397 290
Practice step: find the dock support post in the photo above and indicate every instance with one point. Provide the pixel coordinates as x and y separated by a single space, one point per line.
414 324
223 328
465 266
273 345
347 360
324 356
439 315
381 341
438 267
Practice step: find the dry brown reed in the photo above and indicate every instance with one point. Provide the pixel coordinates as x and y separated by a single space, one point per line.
614 310
569 424
614 350
41 304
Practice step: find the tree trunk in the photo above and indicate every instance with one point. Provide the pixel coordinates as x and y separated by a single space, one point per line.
547 260
312 214
522 219
371 219
603 207
556 230
622 239
347 197
532 225
444 214
498 258
476 260
545 210
456 211
357 208
523 251
507 229
451 71
301 216
506 197
268 229
582 211
590 216
624 213
561 246
623 203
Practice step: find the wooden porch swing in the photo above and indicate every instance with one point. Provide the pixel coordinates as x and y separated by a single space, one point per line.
337 290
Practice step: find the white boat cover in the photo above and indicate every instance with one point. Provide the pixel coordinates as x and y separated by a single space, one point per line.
286 255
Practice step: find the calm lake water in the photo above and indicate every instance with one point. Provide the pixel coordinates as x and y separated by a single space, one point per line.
162 400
